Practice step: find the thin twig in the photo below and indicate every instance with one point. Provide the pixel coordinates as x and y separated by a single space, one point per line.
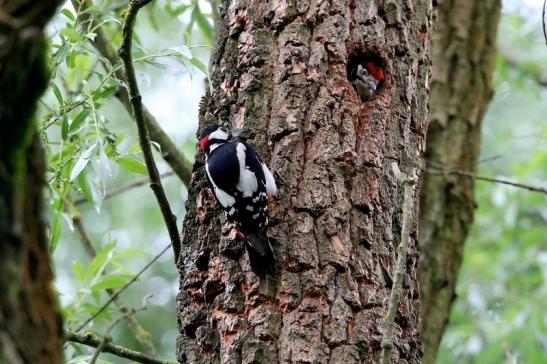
142 336
144 138
116 191
446 171
122 289
388 322
169 152
110 327
90 339
543 22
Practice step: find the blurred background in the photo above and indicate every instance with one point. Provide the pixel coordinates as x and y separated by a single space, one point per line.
500 313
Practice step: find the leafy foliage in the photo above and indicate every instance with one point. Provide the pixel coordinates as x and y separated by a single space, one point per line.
92 149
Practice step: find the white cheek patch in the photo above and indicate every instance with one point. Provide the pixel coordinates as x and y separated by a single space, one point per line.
218 134
247 183
223 198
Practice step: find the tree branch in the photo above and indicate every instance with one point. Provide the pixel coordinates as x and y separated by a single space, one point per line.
106 336
144 138
118 190
169 152
122 289
93 340
543 22
400 266
447 171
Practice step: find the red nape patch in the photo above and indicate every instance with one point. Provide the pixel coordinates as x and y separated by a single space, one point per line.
203 142
375 71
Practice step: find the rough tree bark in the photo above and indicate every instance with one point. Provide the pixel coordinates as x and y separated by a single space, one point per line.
30 325
464 49
281 71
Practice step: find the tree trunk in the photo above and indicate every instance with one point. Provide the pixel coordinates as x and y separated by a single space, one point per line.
30 325
463 60
281 71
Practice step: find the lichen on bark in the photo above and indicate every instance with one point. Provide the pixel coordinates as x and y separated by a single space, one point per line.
280 71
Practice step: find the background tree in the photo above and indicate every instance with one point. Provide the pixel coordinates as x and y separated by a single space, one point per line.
29 320
464 49
497 314
282 72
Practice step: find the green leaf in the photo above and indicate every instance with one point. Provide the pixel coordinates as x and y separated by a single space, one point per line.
105 92
98 263
82 162
135 148
72 34
56 224
111 281
57 92
79 120
88 188
128 253
71 59
79 270
61 54
64 127
200 66
176 10
66 12
203 24
132 164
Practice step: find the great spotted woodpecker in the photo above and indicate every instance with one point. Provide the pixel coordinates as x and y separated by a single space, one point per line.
241 183
366 78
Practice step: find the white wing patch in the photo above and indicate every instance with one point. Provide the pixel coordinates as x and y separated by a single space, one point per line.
223 198
247 183
271 188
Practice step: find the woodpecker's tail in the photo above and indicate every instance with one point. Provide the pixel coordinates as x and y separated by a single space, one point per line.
260 253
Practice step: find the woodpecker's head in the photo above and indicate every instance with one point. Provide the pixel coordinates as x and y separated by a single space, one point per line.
213 137
366 79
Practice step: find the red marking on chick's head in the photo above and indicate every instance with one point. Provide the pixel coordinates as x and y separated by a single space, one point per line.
375 71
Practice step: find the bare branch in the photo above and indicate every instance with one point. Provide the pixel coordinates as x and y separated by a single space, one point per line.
122 289
93 340
400 266
144 138
170 153
447 171
543 22
110 327
125 188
